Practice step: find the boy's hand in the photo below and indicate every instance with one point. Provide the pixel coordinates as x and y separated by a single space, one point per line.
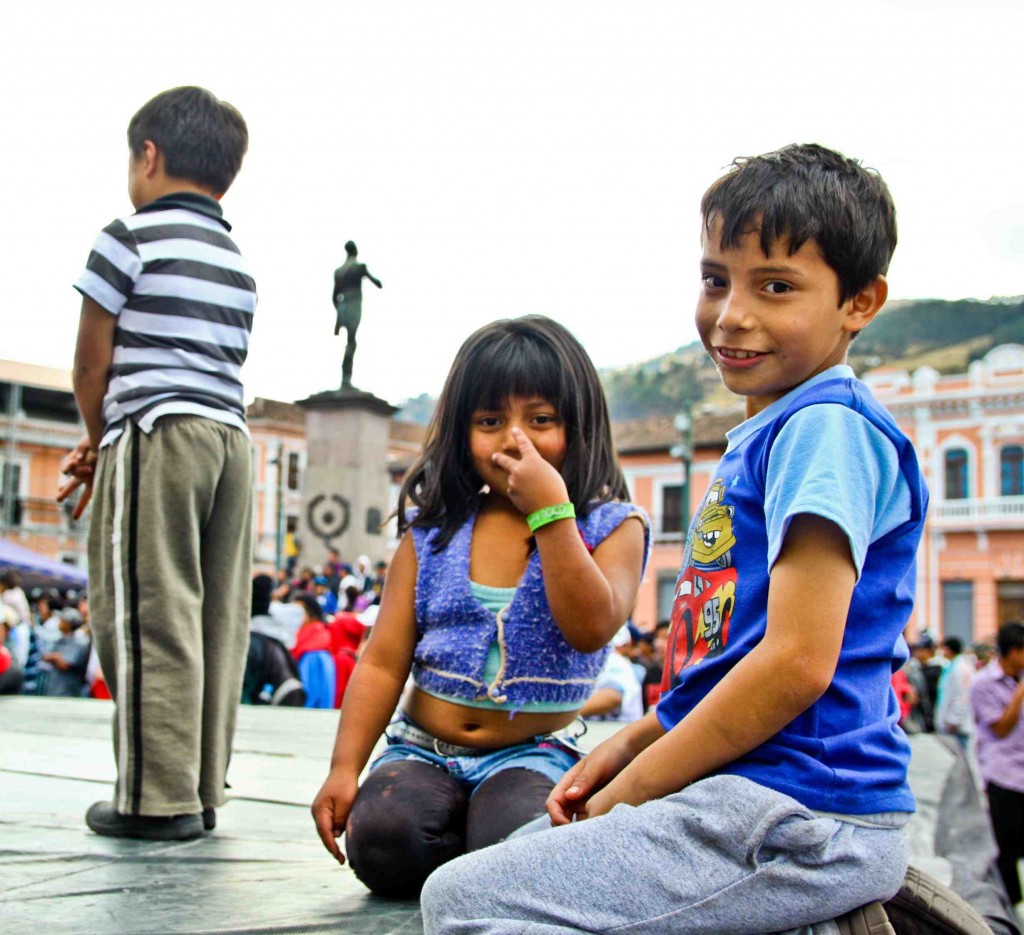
331 808
81 461
532 482
80 466
576 790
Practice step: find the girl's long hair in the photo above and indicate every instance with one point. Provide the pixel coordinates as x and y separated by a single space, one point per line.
526 357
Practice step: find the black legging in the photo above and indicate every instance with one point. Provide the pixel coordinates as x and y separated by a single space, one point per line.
1006 809
411 817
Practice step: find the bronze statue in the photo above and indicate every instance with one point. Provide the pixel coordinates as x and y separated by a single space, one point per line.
348 303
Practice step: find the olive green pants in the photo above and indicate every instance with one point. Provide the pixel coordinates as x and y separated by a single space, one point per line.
170 566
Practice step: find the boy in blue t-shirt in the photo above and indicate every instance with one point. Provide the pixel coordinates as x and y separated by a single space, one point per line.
767 792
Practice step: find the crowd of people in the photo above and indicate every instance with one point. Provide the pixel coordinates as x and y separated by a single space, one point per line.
307 631
934 686
46 646
974 695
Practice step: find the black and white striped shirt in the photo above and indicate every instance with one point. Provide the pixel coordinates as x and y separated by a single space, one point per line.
184 300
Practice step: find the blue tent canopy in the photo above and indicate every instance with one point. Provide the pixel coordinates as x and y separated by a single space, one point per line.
17 556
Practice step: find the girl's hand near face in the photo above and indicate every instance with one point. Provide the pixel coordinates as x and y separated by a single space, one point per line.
533 483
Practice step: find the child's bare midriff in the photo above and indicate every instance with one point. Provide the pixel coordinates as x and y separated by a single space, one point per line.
478 727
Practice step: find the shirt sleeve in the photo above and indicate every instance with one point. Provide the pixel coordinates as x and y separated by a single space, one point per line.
985 701
76 654
612 675
832 462
112 269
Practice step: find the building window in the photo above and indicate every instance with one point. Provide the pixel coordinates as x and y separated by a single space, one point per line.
958 609
666 595
956 474
672 508
1009 601
1011 467
293 471
10 490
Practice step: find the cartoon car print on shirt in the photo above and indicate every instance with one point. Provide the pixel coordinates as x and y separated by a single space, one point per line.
705 594
712 535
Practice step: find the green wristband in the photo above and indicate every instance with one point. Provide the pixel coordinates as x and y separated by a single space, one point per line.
548 514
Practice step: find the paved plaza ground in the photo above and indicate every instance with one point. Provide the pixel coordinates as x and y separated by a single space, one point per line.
263 870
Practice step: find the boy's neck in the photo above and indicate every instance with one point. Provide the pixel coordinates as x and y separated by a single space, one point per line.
162 187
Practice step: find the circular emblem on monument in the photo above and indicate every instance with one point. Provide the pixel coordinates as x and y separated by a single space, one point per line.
327 517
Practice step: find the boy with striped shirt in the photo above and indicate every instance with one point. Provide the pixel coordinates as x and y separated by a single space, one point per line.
166 314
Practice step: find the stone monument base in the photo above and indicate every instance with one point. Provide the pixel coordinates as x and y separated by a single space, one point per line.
346 489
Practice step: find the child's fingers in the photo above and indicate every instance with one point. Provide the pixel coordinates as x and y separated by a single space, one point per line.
323 818
504 461
67 488
559 810
83 501
526 447
570 791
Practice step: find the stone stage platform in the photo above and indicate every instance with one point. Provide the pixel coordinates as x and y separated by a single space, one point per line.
264 870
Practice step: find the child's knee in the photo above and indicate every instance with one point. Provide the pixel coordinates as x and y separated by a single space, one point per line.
442 897
401 829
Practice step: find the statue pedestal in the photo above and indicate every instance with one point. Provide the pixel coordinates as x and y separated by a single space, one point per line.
345 493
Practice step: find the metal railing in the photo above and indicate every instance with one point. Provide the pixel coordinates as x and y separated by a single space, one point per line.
981 513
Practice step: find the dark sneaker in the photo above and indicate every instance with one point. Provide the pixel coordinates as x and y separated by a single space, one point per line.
104 819
923 906
209 818
867 920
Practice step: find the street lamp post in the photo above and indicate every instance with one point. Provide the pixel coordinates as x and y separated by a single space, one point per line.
279 464
684 452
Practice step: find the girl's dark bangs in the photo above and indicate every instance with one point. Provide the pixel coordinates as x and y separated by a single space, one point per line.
515 366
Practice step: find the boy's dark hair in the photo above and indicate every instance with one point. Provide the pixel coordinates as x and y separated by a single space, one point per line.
10 578
954 644
807 192
202 139
529 356
1010 637
350 248
311 605
262 593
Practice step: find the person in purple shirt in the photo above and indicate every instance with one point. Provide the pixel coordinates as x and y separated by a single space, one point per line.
996 697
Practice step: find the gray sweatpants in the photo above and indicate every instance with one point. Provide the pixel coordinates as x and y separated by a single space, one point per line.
170 563
723 857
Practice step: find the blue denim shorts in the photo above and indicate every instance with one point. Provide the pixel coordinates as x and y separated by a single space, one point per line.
550 754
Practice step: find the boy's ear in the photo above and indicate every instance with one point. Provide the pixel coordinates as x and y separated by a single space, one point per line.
862 307
150 159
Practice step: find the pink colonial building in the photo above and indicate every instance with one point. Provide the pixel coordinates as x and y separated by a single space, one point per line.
968 430
649 452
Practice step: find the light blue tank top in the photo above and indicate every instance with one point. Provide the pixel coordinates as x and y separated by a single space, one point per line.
496 599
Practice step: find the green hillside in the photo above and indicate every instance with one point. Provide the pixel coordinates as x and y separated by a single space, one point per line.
913 329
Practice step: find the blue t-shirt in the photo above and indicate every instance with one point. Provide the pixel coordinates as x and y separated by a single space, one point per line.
830 461
826 448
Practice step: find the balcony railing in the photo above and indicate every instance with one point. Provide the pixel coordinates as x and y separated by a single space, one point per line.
979 514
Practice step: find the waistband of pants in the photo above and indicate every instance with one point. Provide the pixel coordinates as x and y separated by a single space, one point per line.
406 731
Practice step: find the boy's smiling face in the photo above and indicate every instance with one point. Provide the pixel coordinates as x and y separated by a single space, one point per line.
770 323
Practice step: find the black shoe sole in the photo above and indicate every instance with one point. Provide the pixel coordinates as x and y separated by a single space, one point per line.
867 920
104 819
923 906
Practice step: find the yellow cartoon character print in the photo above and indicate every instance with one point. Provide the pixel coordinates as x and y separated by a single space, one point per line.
712 533
705 594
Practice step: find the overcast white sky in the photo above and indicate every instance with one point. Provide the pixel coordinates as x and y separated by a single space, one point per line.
497 158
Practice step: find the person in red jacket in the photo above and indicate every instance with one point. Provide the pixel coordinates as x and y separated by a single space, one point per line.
312 654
